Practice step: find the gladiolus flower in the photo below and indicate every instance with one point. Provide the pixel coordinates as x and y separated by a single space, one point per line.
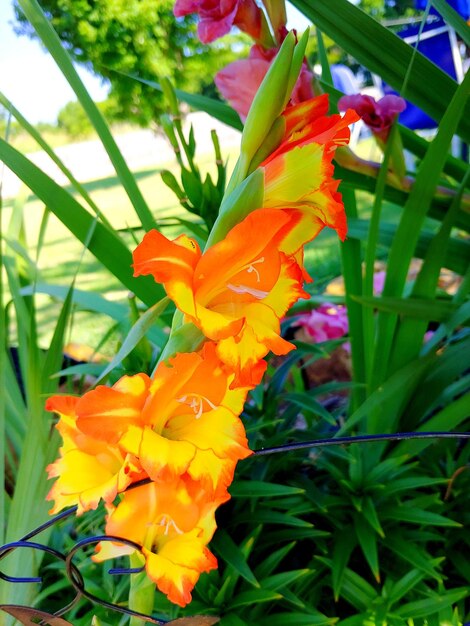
240 80
216 17
87 470
184 420
328 321
190 422
173 522
236 292
299 173
378 116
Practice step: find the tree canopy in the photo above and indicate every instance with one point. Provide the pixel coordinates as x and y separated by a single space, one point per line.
138 37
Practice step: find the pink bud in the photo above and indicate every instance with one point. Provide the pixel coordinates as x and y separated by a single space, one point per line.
378 116
240 80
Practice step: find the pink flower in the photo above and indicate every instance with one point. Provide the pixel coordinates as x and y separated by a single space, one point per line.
378 116
240 80
329 321
379 281
216 17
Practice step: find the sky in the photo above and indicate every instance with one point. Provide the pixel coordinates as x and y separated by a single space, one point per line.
30 79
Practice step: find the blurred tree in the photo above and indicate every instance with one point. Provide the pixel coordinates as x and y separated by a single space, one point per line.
74 121
388 9
140 37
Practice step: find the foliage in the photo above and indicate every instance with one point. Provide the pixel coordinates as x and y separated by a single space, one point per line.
135 37
73 120
361 535
389 9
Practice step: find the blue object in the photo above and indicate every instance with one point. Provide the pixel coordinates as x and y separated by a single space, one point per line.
435 44
461 6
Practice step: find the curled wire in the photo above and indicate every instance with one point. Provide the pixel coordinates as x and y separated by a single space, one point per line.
74 575
80 587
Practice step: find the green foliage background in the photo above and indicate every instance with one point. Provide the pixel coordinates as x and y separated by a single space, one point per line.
361 535
138 37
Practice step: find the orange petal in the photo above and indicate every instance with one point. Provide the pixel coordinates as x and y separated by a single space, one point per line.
164 259
105 413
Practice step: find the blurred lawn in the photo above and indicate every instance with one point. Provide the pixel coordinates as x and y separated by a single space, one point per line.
62 256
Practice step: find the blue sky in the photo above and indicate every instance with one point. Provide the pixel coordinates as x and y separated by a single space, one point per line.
29 77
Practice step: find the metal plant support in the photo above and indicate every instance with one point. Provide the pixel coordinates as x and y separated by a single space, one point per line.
29 616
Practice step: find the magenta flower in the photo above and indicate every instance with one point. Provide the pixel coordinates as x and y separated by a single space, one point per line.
239 81
378 116
216 17
329 321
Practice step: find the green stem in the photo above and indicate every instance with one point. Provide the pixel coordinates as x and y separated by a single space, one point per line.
142 591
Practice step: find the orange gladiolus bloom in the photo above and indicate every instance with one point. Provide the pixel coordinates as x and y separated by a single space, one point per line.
190 422
183 420
236 292
299 173
87 470
173 522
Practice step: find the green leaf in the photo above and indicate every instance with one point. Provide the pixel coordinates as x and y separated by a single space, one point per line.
355 589
413 482
259 489
278 581
343 546
357 33
420 308
224 545
389 399
232 620
403 586
86 300
413 515
136 334
310 405
31 130
105 244
255 596
370 514
297 619
50 39
351 260
456 259
410 225
409 339
273 517
416 556
368 542
453 19
215 108
448 418
269 564
433 604
449 365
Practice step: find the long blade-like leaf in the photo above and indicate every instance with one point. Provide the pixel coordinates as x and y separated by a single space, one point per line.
50 39
105 244
359 34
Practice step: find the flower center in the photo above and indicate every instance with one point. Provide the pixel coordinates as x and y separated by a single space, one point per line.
195 401
259 294
168 522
